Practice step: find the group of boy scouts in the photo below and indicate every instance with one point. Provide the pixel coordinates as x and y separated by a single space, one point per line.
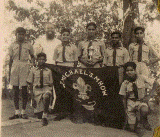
90 53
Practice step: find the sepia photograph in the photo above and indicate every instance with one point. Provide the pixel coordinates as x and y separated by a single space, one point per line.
80 68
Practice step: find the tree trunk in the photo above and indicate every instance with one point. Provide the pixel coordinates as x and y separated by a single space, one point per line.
129 25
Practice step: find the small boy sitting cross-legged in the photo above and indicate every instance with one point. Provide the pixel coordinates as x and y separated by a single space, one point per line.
40 82
133 92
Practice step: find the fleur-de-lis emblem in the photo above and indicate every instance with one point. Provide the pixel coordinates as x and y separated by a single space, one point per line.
82 87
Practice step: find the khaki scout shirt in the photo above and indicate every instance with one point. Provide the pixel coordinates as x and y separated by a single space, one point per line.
122 56
20 65
70 53
34 77
127 87
97 49
147 52
22 54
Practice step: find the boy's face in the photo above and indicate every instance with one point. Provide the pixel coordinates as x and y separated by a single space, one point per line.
41 60
130 72
139 35
115 39
65 36
91 30
20 37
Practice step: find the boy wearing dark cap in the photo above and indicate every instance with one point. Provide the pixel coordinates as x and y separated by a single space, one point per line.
91 50
65 54
40 82
133 92
19 53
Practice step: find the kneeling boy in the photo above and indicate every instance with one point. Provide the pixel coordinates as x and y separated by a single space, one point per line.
133 92
40 78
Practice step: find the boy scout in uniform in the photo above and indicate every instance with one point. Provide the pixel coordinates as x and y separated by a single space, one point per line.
133 92
91 50
40 78
65 54
140 53
116 55
19 52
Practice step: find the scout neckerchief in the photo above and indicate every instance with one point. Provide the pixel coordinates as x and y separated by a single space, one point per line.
114 56
135 89
41 77
63 52
114 53
20 47
140 53
89 45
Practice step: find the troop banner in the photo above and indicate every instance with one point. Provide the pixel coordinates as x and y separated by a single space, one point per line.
95 89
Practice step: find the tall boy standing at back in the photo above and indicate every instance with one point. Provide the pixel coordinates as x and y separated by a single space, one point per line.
140 53
19 52
133 92
65 54
40 78
91 50
116 55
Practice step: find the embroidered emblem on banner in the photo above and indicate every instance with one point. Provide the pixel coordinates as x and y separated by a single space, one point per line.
83 97
82 88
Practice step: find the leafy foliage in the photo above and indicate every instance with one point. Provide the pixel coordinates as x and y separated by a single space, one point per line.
68 15
108 14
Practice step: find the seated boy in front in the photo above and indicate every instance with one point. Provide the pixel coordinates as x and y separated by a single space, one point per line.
133 92
40 82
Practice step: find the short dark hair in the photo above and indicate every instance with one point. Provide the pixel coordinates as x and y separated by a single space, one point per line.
41 55
65 30
20 30
131 64
91 24
116 32
139 28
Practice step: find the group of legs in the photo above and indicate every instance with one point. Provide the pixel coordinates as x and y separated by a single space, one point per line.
143 109
45 98
19 114
136 108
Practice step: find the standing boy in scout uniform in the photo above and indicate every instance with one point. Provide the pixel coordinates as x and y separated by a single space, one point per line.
90 55
133 92
40 78
140 53
19 52
91 50
116 55
65 54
